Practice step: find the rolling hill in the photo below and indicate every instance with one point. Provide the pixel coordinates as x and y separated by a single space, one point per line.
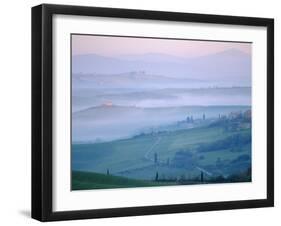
90 180
107 123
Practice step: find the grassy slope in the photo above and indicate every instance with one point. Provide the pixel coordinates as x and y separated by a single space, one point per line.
87 180
129 154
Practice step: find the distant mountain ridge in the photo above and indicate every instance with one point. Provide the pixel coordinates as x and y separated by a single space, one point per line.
231 66
134 79
153 57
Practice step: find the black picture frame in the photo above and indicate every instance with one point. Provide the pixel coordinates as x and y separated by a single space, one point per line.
42 111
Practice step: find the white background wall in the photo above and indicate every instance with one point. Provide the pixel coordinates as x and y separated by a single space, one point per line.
15 119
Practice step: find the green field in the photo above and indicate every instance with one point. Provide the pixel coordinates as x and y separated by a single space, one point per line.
129 154
88 180
134 158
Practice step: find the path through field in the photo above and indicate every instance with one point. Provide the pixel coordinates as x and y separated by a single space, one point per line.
146 155
204 171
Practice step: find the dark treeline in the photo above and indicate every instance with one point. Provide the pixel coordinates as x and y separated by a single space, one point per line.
234 141
203 178
185 158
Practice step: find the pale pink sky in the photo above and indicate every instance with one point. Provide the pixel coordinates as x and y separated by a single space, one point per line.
114 46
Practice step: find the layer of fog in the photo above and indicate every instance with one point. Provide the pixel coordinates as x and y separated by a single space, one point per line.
149 98
107 123
115 98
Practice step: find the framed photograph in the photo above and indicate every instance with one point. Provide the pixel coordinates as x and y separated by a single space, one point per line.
131 105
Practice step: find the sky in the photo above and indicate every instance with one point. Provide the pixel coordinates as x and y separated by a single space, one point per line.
116 46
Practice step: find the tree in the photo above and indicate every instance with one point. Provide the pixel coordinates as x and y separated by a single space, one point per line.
155 158
156 176
202 177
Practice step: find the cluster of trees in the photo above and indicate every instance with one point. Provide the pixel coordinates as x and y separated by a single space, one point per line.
234 121
182 179
235 141
239 164
184 159
242 176
189 119
187 160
